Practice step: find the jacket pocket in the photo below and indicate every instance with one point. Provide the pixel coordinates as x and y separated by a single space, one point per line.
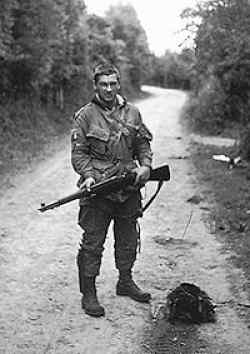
129 135
98 141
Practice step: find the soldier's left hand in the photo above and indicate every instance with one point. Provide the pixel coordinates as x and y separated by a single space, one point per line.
142 175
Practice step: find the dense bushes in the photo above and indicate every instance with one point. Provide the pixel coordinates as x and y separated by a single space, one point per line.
207 108
173 70
221 94
27 130
48 48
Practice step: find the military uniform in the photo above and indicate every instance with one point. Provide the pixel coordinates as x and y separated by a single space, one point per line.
107 143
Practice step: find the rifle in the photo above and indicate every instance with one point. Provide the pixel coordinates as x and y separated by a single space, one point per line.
113 184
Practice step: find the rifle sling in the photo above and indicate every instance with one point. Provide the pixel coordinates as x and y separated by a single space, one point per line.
160 183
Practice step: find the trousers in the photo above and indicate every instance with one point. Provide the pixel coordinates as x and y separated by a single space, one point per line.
95 216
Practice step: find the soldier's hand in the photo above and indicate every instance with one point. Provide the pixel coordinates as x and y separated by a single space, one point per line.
142 175
87 184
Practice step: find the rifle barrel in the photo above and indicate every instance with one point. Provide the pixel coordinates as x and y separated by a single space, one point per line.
62 201
112 184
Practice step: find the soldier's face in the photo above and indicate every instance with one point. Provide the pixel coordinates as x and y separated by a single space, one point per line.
107 87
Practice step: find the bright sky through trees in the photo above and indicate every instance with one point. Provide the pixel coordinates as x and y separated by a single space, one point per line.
160 19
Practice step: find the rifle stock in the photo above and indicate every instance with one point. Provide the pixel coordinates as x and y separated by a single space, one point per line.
112 184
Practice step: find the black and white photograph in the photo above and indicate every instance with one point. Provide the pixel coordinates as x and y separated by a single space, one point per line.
124 177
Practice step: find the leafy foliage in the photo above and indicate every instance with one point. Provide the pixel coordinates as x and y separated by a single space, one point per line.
48 48
222 67
101 41
174 70
47 51
134 51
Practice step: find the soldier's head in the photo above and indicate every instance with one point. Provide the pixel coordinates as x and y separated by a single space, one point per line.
106 79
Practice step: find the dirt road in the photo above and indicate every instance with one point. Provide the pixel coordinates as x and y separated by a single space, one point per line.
40 303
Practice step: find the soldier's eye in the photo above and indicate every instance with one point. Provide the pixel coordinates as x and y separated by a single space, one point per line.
110 84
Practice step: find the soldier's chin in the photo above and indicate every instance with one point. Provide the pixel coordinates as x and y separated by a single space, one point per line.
109 98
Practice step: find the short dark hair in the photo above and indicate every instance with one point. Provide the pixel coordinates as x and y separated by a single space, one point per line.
105 69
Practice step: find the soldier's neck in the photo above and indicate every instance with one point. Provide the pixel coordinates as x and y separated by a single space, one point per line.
105 104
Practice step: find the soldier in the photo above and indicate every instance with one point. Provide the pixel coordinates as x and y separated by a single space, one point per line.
109 138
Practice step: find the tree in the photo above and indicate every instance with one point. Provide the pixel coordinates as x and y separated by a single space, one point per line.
127 28
222 50
69 48
101 42
173 70
32 31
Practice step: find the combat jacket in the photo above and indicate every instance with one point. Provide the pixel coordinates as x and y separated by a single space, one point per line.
108 142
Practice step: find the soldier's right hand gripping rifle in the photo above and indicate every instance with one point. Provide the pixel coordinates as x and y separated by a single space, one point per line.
112 184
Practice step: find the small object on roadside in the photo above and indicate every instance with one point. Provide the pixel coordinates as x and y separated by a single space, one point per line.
184 157
241 227
188 303
157 311
195 199
231 161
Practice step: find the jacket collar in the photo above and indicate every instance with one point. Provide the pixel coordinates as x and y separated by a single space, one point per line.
120 102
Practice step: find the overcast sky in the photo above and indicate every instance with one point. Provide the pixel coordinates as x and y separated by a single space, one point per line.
160 19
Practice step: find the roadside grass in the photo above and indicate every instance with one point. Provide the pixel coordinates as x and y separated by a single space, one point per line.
28 132
228 191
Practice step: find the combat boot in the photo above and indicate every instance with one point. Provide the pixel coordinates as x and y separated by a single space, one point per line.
90 303
127 287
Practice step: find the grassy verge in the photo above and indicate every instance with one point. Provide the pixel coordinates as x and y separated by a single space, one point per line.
229 193
28 132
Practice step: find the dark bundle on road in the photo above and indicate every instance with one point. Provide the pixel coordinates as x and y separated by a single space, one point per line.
188 303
